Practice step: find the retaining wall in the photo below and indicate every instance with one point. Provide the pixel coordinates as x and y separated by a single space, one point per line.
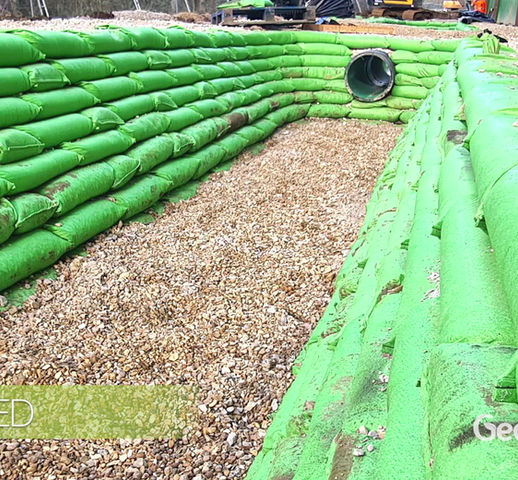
97 127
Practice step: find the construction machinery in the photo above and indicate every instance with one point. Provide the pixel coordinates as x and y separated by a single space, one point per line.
408 9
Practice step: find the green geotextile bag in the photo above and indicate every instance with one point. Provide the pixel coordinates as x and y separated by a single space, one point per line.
336 86
86 221
102 118
16 51
206 90
236 119
185 75
124 169
141 193
317 49
268 75
100 146
7 220
308 84
407 115
333 97
60 102
286 61
223 85
84 69
44 77
257 65
208 108
201 39
408 80
14 111
398 103
420 69
232 69
397 43
157 150
418 93
78 186
143 37
17 145
381 113
28 174
54 131
157 59
206 159
112 88
146 126
57 44
233 145
251 133
163 102
183 95
325 61
209 72
325 73
287 114
180 57
107 41
5 185
30 253
153 80
123 63
298 97
179 171
265 51
178 37
32 211
205 131
232 99
266 126
13 81
328 111
132 107
181 118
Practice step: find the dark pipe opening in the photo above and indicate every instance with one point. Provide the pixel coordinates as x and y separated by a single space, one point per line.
370 76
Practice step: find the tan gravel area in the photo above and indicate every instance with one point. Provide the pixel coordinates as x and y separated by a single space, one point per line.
221 291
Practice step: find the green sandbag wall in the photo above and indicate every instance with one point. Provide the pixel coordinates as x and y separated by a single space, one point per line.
97 127
420 336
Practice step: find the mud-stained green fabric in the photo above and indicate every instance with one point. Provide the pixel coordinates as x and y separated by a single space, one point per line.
32 211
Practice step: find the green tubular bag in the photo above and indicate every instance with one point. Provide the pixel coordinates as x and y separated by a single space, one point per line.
153 80
54 131
180 58
335 86
232 99
256 38
407 115
286 61
221 38
112 88
223 85
308 84
60 102
204 132
78 186
236 119
362 41
178 37
401 103
147 126
100 146
152 152
417 93
317 49
16 51
32 211
266 51
209 72
185 75
107 41
251 133
102 118
28 254
257 65
449 45
163 102
231 69
181 118
292 72
14 111
233 145
17 145
333 97
13 81
258 110
86 221
298 97
57 44
416 46
326 73
328 111
325 61
288 114
381 113
403 56
266 126
418 69
144 38
124 169
183 95
240 54
157 59
28 174
141 193
123 63
201 39
84 69
179 171
6 186
435 58
206 90
269 75
207 158
132 107
7 220
44 77
208 108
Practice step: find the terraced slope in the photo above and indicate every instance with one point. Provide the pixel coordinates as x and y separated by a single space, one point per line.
98 127
420 337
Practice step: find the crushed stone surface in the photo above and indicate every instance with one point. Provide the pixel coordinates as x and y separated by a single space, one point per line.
221 291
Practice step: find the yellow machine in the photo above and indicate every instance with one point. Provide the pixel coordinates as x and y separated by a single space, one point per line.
413 9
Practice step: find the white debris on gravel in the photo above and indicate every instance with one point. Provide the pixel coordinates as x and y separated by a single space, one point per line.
187 300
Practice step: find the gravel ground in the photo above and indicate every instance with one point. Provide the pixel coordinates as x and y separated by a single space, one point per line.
221 291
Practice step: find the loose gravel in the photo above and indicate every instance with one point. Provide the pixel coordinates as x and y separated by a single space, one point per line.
221 291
